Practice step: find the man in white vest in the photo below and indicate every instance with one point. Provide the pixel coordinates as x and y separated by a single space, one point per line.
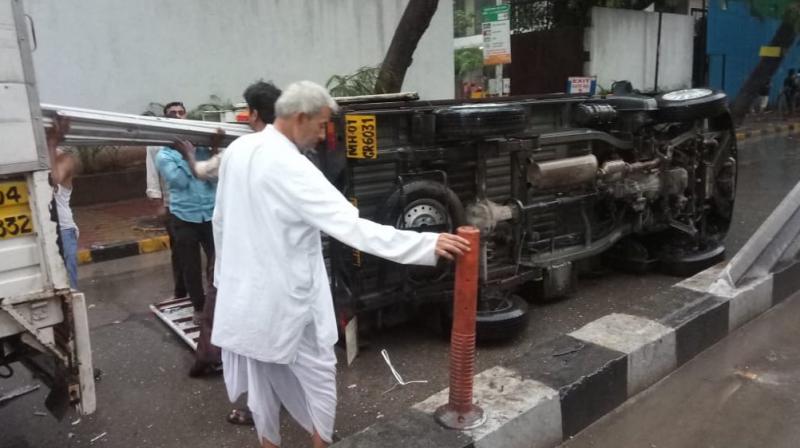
275 320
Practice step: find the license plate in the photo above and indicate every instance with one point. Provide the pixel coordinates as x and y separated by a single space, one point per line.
15 212
361 136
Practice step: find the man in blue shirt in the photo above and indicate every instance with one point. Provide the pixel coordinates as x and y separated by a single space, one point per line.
191 209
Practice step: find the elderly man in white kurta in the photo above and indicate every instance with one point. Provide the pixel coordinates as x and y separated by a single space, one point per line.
274 319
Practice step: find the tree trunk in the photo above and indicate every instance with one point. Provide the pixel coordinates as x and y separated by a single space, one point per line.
763 73
412 26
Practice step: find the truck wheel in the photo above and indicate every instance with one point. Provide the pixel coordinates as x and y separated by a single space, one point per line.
424 206
500 317
631 255
690 257
479 120
691 104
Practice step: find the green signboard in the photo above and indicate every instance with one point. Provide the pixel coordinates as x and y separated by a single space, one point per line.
496 28
496 13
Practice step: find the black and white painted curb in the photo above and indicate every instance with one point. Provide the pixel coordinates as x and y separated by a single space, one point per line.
122 249
773 128
562 386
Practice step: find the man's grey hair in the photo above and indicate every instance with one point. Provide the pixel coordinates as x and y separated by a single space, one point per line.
304 97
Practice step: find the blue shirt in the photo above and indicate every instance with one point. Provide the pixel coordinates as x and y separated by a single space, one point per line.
190 199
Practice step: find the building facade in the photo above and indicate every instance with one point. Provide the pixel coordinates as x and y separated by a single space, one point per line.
121 55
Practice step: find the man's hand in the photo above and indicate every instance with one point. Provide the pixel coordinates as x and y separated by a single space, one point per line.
186 149
61 168
216 140
56 134
451 246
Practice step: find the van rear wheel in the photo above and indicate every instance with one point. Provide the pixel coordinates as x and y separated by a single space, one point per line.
500 316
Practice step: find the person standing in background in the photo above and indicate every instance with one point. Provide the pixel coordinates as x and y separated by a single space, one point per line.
789 91
157 191
62 170
191 203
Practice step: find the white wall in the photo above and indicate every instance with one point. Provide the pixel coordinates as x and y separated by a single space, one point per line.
122 54
622 46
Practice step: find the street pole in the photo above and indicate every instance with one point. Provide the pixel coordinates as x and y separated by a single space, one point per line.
498 75
658 49
460 412
498 69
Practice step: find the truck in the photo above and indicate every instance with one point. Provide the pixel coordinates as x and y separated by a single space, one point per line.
43 323
554 182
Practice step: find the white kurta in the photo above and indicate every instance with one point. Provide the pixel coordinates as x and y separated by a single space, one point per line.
208 169
272 203
155 185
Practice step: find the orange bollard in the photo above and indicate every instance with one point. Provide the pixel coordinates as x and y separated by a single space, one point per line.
460 412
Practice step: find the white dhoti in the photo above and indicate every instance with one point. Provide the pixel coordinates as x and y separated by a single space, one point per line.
306 388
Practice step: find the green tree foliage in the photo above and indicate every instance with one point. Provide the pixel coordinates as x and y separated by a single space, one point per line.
467 60
215 103
362 82
463 23
537 15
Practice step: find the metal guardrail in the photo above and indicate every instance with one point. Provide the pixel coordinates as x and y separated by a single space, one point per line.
777 241
102 128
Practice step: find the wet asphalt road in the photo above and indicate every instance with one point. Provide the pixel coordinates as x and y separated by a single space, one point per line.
146 399
744 392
